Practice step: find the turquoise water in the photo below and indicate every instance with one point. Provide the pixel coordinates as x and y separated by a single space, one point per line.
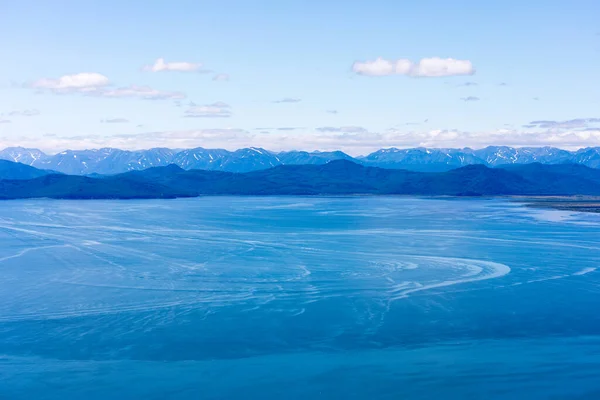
287 297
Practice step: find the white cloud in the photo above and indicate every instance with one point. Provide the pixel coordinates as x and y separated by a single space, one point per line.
426 67
214 110
569 124
221 77
347 129
24 113
141 92
288 100
160 65
220 104
115 121
94 84
83 82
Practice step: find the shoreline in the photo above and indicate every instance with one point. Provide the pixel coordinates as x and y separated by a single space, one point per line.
577 203
589 204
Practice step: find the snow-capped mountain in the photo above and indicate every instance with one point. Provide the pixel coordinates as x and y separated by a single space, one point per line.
589 156
315 157
200 158
243 160
112 161
422 159
105 161
22 155
499 155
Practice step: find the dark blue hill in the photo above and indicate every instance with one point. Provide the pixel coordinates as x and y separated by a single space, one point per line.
558 179
340 177
81 187
15 170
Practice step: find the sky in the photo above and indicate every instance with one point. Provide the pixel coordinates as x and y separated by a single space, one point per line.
311 75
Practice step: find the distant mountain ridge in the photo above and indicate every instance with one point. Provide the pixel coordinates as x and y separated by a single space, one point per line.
110 161
339 177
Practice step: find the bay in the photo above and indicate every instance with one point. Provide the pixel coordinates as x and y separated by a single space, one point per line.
298 297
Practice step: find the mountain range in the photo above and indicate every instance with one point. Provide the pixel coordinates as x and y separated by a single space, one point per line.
108 161
338 177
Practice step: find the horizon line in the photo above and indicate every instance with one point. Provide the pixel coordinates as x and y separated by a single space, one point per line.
175 149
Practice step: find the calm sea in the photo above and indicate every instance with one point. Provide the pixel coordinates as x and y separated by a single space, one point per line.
298 298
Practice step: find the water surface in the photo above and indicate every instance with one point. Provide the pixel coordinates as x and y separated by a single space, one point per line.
288 297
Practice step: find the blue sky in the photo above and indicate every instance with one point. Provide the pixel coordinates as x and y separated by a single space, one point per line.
299 74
